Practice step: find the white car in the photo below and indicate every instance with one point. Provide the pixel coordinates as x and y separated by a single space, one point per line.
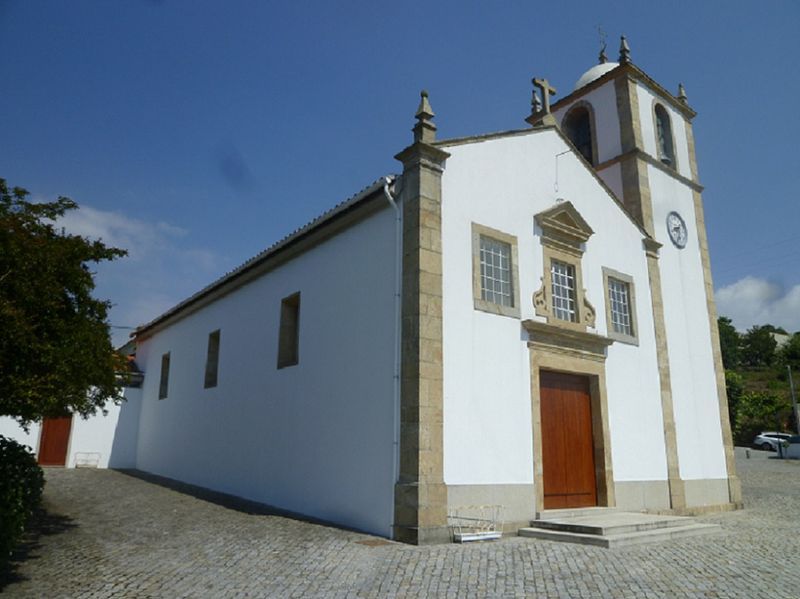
768 441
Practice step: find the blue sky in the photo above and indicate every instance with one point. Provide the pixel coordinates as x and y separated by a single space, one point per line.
197 133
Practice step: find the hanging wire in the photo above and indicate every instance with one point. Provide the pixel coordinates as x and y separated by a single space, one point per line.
555 185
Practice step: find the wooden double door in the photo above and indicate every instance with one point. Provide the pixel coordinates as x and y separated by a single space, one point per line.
567 441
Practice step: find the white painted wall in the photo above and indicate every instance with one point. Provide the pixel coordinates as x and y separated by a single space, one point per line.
612 176
647 117
501 183
107 441
10 429
694 387
604 104
316 438
99 441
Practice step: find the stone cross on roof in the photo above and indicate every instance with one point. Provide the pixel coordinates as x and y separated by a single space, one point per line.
546 89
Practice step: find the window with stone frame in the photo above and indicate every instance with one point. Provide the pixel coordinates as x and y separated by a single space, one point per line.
562 300
620 306
664 141
494 264
578 126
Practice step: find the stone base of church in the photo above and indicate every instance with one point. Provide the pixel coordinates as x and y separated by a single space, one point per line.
431 535
518 501
702 496
636 496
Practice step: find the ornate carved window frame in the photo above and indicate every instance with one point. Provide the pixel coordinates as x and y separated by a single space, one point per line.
564 234
610 332
483 305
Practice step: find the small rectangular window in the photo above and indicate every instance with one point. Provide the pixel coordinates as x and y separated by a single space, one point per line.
619 300
496 282
163 385
562 278
212 360
620 307
289 334
494 272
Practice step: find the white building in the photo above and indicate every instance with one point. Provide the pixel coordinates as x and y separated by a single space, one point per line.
522 318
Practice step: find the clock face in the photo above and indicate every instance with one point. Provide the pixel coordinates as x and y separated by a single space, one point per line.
677 230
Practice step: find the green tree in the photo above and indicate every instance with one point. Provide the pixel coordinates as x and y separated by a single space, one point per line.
789 354
758 346
56 355
729 341
734 386
759 411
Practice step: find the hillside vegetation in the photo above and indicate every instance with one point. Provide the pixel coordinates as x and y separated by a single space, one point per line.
757 379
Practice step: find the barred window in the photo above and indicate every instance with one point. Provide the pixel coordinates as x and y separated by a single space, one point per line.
496 283
619 300
562 276
620 306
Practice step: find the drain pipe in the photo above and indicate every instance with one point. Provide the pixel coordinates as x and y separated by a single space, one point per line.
398 264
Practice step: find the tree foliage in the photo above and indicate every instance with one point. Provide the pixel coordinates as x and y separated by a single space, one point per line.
789 354
758 346
729 341
56 355
734 386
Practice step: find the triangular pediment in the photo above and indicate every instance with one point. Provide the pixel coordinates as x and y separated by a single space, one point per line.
564 220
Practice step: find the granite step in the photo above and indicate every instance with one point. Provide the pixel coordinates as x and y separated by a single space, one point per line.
608 527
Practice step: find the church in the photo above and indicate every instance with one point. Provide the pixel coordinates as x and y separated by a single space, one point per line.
523 318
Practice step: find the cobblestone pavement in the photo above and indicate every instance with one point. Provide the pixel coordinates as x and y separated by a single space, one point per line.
112 535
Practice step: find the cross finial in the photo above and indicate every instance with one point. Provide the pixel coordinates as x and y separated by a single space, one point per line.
424 130
546 89
602 56
624 51
682 94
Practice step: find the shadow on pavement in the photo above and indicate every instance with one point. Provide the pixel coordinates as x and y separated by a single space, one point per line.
43 524
231 502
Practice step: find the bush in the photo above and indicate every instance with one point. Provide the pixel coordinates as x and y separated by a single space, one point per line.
21 484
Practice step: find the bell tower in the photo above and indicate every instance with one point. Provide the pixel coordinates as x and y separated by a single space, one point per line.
638 138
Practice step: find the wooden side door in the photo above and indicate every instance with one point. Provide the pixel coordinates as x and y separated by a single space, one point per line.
54 441
567 444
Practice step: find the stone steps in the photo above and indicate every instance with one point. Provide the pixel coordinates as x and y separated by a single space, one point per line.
604 527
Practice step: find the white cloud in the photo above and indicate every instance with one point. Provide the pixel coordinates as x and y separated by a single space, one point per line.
115 229
753 301
161 268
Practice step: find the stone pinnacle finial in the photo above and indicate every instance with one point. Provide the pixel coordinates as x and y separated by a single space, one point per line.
682 94
424 130
536 102
624 50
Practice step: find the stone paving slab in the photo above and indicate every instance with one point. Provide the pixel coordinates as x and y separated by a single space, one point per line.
108 534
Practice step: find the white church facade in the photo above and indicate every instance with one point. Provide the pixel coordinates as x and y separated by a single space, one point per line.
523 318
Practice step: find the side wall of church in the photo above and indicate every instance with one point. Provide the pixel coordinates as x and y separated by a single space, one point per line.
502 184
314 438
